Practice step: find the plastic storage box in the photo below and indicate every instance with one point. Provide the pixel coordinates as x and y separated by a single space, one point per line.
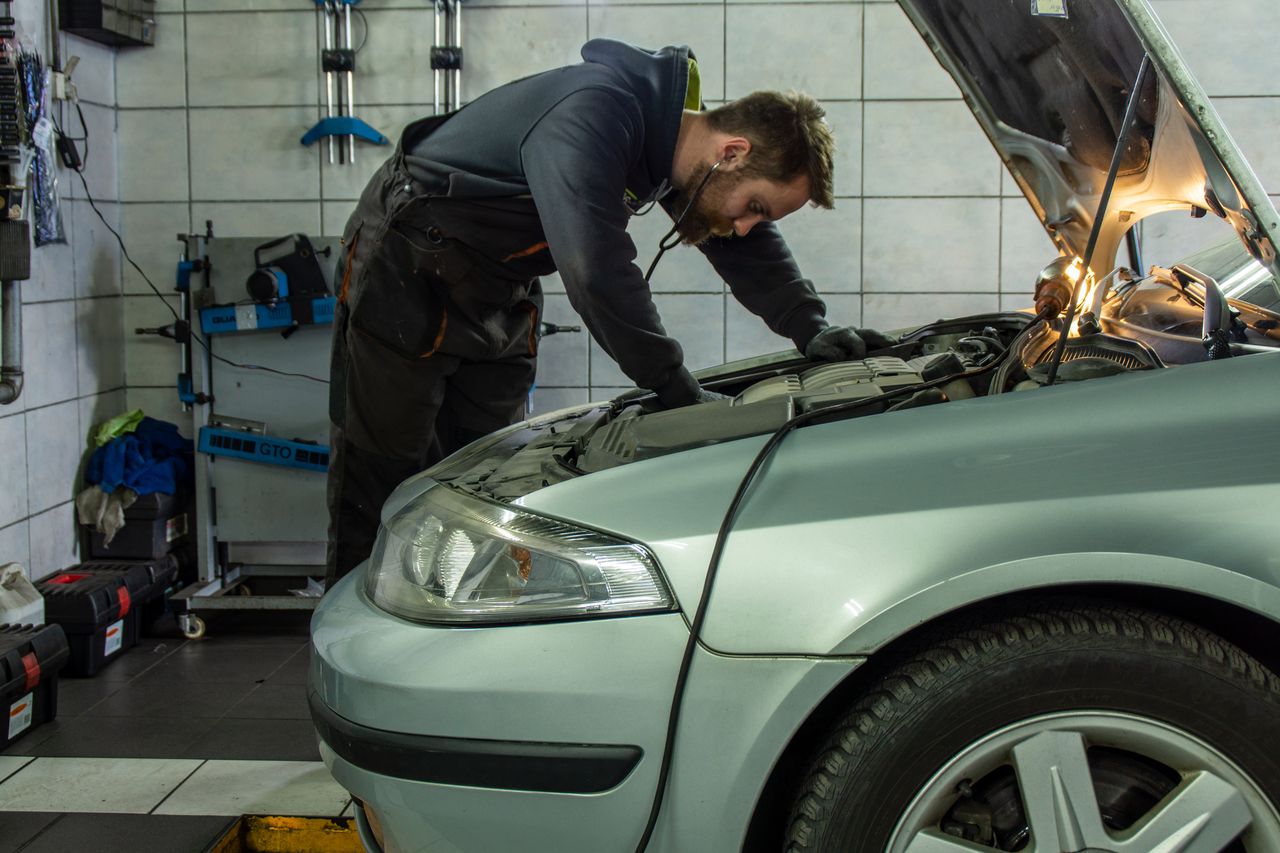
152 598
97 612
31 656
154 525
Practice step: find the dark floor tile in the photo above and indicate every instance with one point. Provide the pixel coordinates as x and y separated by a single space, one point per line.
127 833
77 695
266 740
209 663
17 828
33 737
273 702
158 695
139 659
294 670
118 737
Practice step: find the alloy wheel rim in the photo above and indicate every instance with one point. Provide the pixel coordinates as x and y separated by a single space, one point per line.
1214 803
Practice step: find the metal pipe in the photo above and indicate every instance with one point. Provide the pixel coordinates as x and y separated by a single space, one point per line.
351 80
457 42
323 11
435 72
10 342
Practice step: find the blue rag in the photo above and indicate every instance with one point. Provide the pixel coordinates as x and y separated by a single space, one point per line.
152 458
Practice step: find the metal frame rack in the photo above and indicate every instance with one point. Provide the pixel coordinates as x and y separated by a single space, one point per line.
260 509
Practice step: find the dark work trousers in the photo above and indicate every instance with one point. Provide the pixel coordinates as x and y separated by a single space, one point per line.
434 346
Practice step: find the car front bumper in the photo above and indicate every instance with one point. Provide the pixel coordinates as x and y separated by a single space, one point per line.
546 737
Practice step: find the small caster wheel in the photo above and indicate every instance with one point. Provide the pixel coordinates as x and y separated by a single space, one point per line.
244 589
193 627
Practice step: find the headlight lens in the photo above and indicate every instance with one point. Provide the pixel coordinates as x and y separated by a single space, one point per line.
449 557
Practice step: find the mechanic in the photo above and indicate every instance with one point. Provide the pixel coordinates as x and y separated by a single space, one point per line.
436 330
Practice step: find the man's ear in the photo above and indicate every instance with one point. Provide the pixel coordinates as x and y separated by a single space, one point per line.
732 153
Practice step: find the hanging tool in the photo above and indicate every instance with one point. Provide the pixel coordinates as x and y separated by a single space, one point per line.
446 56
338 65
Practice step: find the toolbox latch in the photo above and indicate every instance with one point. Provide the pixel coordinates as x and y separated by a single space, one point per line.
31 665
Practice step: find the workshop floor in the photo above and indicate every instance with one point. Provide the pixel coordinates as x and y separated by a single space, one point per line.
159 751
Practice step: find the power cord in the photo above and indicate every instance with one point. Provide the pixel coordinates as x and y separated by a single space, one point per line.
722 536
79 170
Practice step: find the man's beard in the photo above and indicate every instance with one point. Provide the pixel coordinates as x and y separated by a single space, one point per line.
704 220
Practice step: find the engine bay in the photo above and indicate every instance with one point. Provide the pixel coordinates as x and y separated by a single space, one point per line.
1148 323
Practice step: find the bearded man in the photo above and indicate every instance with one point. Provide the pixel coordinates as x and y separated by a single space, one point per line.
436 331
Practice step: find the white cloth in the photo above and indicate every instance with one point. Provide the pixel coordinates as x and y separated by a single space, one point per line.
104 512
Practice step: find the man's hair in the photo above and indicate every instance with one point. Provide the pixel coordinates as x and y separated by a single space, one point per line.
788 136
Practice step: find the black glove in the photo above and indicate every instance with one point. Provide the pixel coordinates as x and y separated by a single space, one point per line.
683 391
845 343
706 396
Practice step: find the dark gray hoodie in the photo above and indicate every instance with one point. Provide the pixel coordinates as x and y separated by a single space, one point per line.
571 143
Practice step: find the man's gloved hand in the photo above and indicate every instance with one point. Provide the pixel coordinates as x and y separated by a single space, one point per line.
688 395
707 396
845 343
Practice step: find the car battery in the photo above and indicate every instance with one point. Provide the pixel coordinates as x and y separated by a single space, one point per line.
154 525
31 656
97 612
152 599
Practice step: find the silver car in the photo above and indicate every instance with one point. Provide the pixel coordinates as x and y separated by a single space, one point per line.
1010 584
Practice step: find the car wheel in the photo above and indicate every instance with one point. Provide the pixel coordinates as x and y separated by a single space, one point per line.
1066 727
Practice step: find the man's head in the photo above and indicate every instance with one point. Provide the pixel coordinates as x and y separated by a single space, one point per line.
772 153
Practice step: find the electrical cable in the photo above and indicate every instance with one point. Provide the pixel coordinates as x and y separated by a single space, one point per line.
195 337
1014 353
722 535
365 22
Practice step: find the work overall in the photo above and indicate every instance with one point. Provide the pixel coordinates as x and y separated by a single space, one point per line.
434 343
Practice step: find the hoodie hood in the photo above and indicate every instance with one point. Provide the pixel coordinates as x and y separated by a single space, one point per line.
1049 81
660 79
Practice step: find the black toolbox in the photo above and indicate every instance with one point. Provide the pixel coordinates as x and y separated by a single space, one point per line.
97 612
151 600
154 525
31 656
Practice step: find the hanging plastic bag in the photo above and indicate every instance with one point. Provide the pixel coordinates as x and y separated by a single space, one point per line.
46 220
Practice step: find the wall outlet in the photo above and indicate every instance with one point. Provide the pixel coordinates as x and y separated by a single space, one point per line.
59 86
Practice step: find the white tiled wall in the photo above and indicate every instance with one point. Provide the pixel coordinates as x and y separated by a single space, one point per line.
925 223
72 331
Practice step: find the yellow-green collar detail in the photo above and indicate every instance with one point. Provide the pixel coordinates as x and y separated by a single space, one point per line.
693 93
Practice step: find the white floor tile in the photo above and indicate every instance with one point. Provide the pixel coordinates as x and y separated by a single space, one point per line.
10 764
350 810
302 788
116 785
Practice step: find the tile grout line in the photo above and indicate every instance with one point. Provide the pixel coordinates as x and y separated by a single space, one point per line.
163 799
42 831
34 759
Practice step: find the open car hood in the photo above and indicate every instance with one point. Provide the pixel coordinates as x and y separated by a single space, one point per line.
1051 91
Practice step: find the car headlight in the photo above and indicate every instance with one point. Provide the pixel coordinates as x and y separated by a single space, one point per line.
449 557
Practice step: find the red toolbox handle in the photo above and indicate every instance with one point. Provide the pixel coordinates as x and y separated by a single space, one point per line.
32 668
122 595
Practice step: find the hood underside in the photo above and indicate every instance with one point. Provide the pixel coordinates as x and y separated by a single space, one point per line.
1050 91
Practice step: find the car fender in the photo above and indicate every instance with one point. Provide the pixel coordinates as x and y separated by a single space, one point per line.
1055 571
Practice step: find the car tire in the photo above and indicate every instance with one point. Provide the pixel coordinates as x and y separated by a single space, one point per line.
987 724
